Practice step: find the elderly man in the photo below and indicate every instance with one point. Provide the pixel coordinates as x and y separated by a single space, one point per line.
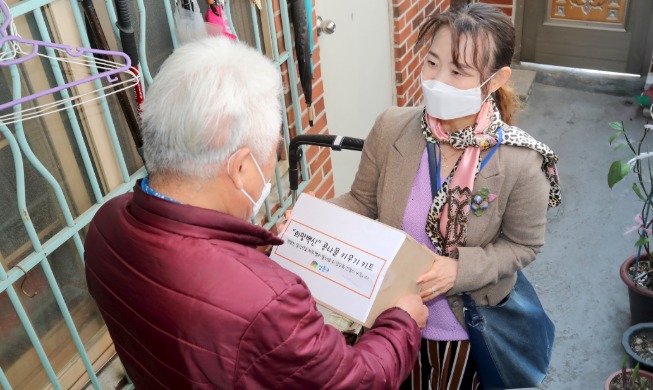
173 266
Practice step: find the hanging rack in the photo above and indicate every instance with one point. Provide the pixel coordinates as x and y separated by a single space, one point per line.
68 54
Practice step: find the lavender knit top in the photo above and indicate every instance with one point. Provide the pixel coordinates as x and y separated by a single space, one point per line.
441 325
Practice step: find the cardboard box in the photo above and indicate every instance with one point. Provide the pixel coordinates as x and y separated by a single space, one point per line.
353 265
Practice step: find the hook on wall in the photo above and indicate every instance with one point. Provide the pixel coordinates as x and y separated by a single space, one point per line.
22 284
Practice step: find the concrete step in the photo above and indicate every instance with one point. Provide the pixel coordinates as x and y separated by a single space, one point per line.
522 81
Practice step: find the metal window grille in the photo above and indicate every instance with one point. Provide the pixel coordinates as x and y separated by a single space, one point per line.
44 217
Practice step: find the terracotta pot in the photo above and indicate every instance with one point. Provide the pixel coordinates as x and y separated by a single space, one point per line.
642 373
641 299
646 328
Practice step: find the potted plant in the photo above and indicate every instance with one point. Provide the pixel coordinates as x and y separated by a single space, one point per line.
636 271
638 344
629 379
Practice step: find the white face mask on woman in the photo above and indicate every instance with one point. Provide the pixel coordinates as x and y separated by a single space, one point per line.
446 102
264 194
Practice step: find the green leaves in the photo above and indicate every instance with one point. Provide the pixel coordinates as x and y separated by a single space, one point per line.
620 129
614 136
618 170
638 192
643 241
617 126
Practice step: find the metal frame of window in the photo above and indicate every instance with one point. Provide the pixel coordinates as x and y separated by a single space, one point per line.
20 149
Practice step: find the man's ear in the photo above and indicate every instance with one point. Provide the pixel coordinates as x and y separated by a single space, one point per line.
500 78
236 166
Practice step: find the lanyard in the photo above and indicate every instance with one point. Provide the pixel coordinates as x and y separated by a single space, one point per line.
434 167
145 186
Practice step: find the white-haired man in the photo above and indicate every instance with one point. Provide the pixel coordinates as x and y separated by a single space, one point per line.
173 266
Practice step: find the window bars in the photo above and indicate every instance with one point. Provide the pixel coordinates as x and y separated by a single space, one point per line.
70 101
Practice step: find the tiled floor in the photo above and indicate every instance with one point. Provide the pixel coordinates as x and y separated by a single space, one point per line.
577 274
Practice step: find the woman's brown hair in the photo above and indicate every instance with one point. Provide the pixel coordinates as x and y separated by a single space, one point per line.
494 36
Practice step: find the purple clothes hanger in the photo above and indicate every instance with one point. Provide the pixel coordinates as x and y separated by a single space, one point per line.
6 38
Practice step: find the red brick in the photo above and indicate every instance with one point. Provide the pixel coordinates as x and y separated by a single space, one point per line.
331 193
319 159
415 87
402 76
403 63
400 23
318 87
311 152
320 122
305 125
412 39
399 78
328 166
324 186
414 66
416 23
401 36
431 8
400 51
401 8
412 13
319 105
317 71
315 181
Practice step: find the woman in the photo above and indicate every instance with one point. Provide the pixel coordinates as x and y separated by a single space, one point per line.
480 204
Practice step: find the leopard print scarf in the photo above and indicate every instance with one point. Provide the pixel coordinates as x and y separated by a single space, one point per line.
446 224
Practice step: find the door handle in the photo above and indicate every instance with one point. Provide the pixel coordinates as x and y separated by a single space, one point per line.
325 26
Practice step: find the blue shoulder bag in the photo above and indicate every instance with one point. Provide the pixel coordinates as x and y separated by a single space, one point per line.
511 342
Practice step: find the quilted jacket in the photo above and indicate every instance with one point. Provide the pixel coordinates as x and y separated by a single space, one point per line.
192 304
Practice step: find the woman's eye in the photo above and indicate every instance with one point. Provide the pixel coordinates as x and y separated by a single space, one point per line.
430 63
456 73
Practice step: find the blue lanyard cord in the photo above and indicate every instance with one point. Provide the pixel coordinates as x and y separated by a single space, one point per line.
434 167
494 149
145 186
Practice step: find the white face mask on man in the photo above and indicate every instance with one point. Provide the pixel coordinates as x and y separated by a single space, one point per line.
446 102
256 205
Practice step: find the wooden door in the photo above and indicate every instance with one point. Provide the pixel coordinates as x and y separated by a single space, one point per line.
610 35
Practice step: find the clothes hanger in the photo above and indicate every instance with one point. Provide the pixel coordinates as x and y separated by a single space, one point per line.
13 54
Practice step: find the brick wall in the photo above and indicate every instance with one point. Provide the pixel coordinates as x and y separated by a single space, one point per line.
318 159
505 5
407 16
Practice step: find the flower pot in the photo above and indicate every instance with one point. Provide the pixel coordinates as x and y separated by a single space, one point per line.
642 374
641 299
645 328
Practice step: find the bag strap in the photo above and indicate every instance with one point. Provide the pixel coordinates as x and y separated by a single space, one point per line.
470 307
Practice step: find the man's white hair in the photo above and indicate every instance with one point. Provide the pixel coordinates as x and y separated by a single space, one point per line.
210 98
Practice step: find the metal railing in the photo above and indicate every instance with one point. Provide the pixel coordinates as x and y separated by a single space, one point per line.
20 150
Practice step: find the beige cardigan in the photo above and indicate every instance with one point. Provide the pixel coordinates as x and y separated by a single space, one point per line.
503 240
